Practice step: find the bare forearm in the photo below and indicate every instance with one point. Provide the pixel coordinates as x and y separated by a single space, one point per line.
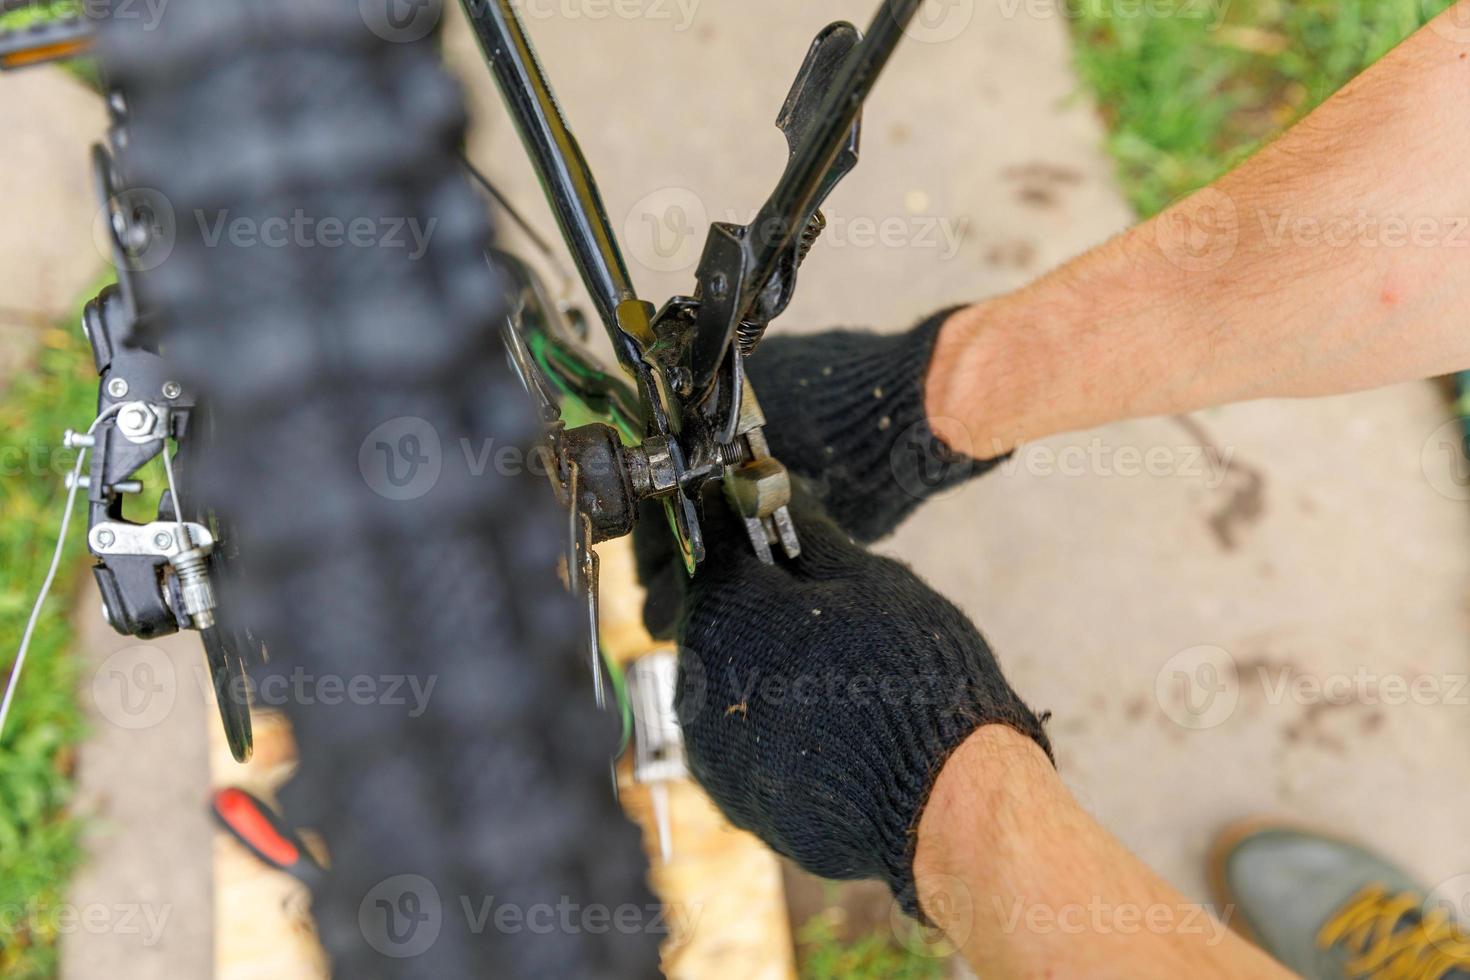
1015 873
1336 259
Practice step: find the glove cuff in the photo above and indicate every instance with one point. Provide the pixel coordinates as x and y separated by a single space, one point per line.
847 411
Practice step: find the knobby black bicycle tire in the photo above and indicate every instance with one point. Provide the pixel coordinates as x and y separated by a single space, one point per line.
494 800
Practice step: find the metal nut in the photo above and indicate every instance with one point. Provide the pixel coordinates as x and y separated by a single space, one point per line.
759 488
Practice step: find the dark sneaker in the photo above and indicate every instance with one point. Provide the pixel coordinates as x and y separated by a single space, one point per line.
1331 910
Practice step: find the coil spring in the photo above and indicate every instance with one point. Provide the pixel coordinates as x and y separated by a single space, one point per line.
748 335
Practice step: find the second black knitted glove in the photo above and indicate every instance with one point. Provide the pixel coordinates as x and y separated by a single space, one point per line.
819 697
845 409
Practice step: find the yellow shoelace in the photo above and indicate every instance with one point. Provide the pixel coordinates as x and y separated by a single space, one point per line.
1385 946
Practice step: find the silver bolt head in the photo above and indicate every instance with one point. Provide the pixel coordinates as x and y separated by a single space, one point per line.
163 540
105 538
172 390
117 387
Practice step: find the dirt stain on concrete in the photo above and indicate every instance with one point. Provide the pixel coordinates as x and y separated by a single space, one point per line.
1039 185
1244 488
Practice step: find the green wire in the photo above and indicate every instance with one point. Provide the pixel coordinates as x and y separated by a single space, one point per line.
625 707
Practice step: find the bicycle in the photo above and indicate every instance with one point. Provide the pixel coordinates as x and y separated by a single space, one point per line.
295 380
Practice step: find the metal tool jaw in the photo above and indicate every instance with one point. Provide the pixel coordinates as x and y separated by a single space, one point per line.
698 418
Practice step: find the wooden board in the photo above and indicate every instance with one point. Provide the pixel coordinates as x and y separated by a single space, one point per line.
722 886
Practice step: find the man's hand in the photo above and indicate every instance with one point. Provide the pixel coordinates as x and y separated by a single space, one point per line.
820 697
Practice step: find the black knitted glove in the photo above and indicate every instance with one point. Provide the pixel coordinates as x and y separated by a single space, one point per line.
845 409
820 697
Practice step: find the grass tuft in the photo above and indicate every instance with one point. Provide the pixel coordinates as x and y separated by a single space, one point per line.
1192 89
38 835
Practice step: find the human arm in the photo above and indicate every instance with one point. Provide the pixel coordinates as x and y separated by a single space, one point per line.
1335 259
1026 883
859 724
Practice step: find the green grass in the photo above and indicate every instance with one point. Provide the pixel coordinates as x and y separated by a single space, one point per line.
39 13
38 835
85 69
823 955
1188 95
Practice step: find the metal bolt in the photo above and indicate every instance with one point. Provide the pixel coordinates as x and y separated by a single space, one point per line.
105 538
117 388
172 390
72 439
72 480
136 421
163 540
